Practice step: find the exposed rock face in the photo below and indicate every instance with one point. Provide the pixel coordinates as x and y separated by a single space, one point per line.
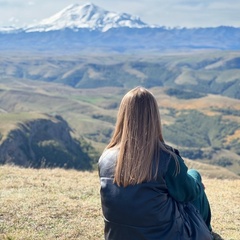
43 143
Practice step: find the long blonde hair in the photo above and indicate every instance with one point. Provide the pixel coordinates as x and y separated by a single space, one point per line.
138 136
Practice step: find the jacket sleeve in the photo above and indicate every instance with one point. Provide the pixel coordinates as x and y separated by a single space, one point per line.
182 187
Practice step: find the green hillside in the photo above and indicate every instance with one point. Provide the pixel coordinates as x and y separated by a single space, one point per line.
42 141
204 72
202 125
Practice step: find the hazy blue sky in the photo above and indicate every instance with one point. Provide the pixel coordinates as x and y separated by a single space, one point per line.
170 13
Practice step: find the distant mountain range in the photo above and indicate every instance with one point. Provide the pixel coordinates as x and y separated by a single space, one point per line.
89 27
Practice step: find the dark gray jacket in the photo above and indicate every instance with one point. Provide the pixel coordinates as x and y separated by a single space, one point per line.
147 211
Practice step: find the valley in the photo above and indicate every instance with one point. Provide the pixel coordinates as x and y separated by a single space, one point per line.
201 120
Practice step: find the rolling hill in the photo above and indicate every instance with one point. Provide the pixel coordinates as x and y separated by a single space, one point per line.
206 72
210 121
41 141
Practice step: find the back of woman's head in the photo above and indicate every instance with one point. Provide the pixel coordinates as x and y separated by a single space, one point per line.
137 135
138 115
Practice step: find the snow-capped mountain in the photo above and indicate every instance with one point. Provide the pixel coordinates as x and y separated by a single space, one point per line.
88 16
87 27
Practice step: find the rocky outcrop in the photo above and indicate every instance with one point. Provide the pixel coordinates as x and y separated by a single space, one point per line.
44 142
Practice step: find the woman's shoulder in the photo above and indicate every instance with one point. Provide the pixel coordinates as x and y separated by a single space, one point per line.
171 149
107 162
107 154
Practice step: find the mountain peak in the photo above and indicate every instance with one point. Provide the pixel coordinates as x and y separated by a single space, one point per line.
87 16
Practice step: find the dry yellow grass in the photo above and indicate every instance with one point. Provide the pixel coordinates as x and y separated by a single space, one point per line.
49 204
59 204
224 197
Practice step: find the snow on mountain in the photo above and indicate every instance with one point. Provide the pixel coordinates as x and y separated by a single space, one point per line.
86 16
9 29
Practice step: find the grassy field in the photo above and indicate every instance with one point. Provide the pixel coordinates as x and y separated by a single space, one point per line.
50 204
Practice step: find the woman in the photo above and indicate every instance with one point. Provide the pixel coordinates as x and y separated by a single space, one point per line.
147 192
